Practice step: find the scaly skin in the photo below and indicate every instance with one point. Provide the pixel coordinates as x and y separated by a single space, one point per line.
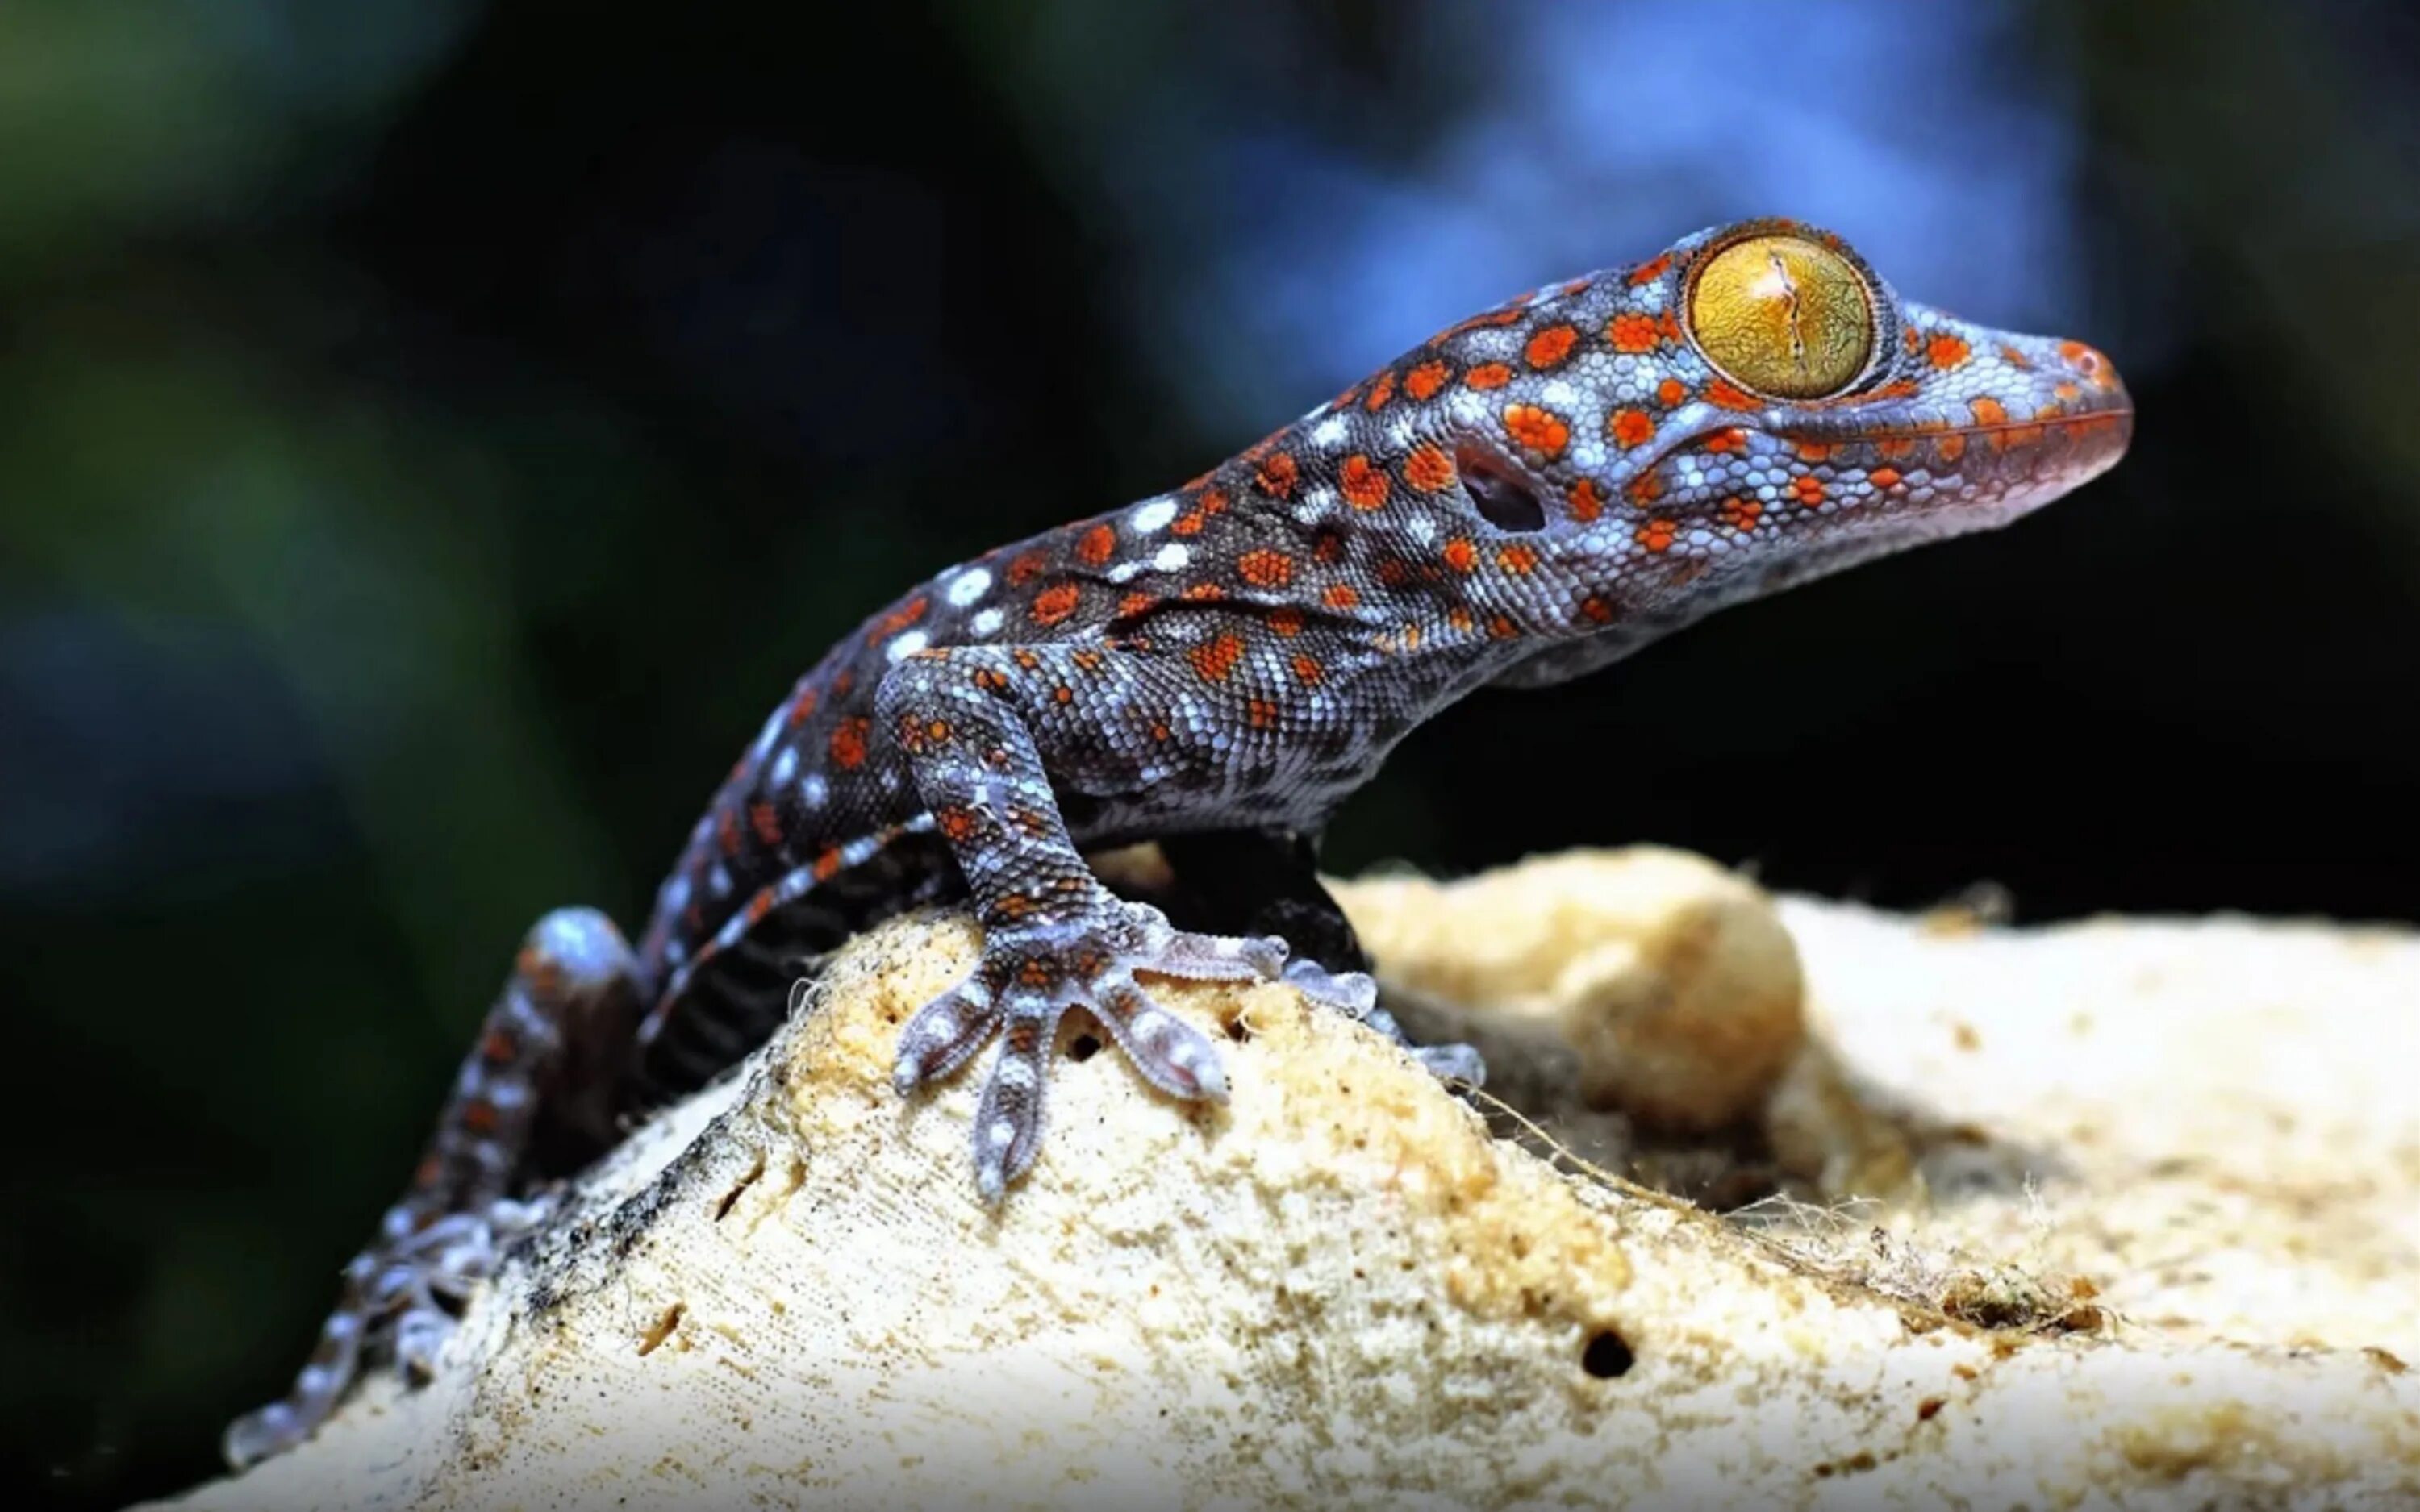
1525 496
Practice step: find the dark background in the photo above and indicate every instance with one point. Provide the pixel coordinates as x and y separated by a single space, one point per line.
432 433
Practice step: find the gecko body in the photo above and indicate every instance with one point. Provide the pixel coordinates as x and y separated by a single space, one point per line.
1528 495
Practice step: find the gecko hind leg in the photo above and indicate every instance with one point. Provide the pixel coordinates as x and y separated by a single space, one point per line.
535 1098
1266 881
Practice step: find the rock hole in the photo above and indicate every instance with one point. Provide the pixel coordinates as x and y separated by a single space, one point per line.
1607 1355
1083 1047
1501 496
723 1208
662 1328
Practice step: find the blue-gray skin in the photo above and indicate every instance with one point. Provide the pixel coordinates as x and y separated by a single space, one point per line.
1526 496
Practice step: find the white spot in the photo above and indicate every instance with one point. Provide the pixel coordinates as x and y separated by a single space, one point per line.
771 731
986 623
1123 572
786 765
907 646
1172 557
1559 393
676 894
1420 528
718 880
1154 516
1001 1133
813 789
968 588
1329 433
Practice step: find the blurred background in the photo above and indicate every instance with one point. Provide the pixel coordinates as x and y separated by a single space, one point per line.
432 432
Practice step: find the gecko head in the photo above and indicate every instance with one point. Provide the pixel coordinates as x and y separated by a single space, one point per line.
1753 407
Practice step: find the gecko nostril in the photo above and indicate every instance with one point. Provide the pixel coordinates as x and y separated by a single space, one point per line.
1498 493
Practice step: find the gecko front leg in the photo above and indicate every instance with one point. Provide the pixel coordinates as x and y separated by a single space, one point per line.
967 720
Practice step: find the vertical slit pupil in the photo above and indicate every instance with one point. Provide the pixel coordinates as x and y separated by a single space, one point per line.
1503 498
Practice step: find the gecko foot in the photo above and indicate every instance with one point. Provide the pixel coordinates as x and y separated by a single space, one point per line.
399 1303
1031 974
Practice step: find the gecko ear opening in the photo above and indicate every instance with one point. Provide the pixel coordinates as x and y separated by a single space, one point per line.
1501 496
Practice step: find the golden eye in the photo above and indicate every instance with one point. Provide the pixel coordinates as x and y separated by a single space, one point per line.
1783 315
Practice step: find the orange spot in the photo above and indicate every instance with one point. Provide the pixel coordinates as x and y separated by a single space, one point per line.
1944 350
956 823
1725 396
1025 568
1897 389
2015 358
1135 604
1501 628
1540 430
1215 658
759 905
1206 593
498 1047
1460 554
1056 603
901 617
1807 489
1646 488
1632 332
1896 448
1657 535
767 823
1341 596
1731 439
1987 411
479 1116
1364 484
1742 513
1597 610
1275 475
1306 670
1327 545
1429 470
727 823
1549 346
1423 381
1517 560
827 864
848 744
1950 447
1286 621
1265 568
1648 273
1670 325
1458 619
1488 376
1815 451
1633 427
1260 714
2069 392
1671 392
1096 547
1585 501
1883 477
1380 391
802 706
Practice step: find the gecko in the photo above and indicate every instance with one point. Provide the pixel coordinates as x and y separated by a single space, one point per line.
1528 495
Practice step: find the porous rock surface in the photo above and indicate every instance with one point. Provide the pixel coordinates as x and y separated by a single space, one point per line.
2119 1213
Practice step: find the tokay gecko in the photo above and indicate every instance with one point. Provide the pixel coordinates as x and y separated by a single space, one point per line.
1526 496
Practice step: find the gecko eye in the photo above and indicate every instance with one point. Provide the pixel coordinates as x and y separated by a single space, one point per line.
1784 317
1502 499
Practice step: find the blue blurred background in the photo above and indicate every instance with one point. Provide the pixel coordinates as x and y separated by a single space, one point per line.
433 431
